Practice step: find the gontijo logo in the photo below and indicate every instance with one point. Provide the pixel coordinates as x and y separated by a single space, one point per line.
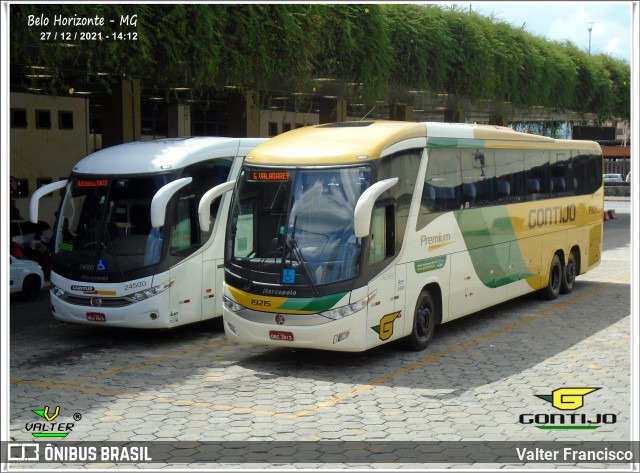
567 399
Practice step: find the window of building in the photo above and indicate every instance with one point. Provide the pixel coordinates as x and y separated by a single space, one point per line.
43 119
273 128
22 188
155 121
65 120
286 127
18 118
43 181
208 122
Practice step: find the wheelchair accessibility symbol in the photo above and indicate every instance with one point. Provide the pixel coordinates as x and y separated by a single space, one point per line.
288 276
102 265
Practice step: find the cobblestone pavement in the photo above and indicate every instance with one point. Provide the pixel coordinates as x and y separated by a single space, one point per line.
473 383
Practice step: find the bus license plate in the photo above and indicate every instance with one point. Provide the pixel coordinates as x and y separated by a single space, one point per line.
96 317
284 336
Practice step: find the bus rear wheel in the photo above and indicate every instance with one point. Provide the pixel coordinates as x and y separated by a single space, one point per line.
552 290
424 323
569 275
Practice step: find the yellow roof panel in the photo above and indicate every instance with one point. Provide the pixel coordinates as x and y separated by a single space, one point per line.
335 143
349 142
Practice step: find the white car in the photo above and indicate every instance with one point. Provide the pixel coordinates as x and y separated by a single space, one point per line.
26 277
628 178
613 178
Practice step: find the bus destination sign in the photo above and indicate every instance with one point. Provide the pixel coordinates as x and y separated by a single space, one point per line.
273 176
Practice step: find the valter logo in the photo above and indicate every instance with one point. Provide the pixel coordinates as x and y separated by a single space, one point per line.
568 399
50 428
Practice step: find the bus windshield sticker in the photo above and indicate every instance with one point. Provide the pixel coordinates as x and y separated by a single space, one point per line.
288 276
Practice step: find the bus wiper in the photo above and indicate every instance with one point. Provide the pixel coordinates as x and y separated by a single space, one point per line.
109 246
272 250
292 242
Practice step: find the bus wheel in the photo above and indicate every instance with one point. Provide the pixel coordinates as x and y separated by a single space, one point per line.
552 290
424 323
569 275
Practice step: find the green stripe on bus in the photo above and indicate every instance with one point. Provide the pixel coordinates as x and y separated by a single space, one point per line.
455 143
491 240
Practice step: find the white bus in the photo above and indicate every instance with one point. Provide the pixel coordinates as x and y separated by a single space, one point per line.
346 236
128 249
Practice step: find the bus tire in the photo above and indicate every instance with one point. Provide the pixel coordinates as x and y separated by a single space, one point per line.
424 323
569 275
552 291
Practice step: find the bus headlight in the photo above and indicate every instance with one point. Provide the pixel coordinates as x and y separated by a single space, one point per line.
232 305
347 310
58 292
154 291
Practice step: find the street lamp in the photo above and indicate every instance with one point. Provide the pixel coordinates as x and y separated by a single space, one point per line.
590 27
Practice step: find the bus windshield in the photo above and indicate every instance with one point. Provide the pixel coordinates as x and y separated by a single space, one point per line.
104 226
294 227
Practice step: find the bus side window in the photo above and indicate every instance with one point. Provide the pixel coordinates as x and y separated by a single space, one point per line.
243 236
429 197
503 189
468 194
181 234
382 238
478 171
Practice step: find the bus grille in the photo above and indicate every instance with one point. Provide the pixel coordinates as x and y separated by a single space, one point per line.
104 301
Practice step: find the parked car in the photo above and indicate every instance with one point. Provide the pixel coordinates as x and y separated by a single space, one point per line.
628 178
610 177
26 278
23 231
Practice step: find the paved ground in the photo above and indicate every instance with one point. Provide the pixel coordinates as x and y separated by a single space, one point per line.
472 384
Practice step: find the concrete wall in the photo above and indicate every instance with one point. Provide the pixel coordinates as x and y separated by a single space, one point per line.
617 189
47 152
280 120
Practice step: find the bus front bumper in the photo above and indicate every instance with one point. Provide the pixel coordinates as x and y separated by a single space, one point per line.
337 335
143 314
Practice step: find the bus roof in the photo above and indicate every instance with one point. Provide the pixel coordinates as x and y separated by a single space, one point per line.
350 142
140 157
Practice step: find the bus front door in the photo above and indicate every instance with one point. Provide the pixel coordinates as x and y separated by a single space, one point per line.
386 308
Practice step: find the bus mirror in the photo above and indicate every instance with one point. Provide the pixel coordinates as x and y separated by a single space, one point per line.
161 199
364 206
38 194
204 207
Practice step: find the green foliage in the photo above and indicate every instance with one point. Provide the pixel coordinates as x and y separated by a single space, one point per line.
374 51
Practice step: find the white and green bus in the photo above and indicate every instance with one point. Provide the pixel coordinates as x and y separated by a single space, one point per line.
349 235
